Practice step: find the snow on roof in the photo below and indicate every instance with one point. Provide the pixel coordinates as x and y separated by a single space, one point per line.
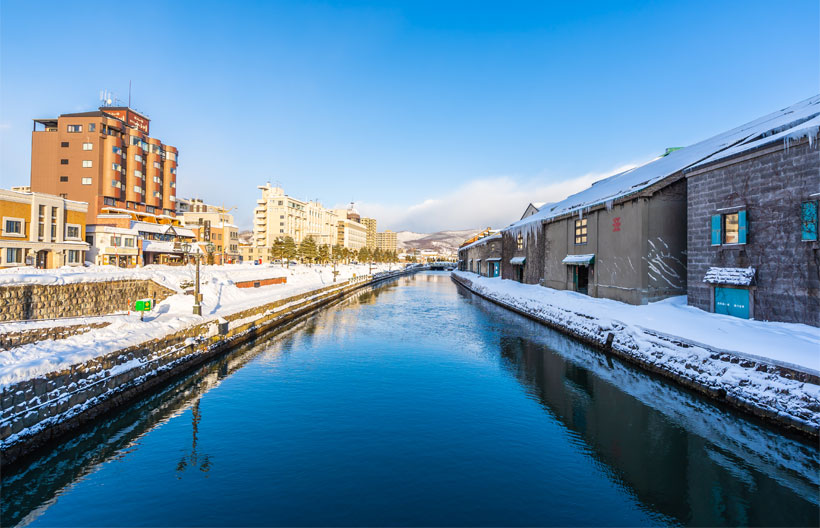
110 229
155 246
481 241
794 131
517 261
148 227
733 276
639 178
579 259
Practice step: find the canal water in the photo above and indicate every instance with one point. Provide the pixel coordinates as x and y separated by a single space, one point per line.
417 403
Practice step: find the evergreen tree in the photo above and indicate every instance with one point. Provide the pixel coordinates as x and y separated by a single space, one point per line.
364 255
277 251
289 249
308 250
324 253
378 255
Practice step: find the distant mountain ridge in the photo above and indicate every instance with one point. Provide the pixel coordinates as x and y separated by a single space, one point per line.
445 241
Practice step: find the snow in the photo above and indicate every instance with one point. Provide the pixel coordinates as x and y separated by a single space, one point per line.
579 259
735 276
780 343
637 179
220 298
518 261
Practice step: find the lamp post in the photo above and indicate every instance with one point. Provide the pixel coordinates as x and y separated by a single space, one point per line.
186 248
209 247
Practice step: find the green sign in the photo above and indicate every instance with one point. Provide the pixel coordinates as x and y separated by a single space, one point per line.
143 305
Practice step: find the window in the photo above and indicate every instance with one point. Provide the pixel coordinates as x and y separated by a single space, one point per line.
86 181
117 151
137 189
88 146
157 179
581 231
130 205
729 228
87 164
138 174
280 202
156 165
135 140
72 231
64 196
64 144
63 162
173 170
116 241
129 242
75 128
73 256
520 241
109 201
117 167
281 216
63 178
137 157
150 209
172 185
156 194
14 255
13 226
808 220
92 127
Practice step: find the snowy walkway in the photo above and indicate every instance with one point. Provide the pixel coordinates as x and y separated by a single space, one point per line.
220 298
785 344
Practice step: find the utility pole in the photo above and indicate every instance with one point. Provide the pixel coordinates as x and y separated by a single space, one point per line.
197 296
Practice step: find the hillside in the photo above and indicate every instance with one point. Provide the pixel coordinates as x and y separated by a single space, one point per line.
441 240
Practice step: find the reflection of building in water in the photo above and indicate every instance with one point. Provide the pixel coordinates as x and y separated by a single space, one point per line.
663 442
194 460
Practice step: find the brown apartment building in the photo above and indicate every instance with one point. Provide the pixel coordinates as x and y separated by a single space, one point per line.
107 159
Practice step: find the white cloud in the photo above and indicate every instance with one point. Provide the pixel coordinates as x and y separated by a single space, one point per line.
492 202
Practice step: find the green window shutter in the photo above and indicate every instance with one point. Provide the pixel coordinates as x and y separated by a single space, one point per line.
715 230
808 218
741 220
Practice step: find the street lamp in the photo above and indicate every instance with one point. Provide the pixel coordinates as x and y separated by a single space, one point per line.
210 249
186 248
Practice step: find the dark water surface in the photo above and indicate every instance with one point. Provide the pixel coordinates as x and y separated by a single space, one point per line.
417 403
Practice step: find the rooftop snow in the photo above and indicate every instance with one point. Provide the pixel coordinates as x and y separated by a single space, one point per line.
734 276
579 259
639 178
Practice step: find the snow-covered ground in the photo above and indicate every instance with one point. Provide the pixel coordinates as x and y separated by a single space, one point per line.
220 298
787 344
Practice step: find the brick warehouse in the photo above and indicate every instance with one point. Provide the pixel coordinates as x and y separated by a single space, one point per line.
753 249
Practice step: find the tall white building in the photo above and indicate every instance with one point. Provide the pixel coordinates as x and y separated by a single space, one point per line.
279 215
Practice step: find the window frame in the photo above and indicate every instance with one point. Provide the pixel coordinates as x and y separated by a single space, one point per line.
581 231
88 164
804 223
21 221
79 228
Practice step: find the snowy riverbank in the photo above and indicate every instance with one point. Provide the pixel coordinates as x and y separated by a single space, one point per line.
220 297
699 349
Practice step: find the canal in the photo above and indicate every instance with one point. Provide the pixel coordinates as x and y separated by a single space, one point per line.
417 403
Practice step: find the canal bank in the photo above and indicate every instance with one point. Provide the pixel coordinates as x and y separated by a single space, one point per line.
37 412
781 395
418 403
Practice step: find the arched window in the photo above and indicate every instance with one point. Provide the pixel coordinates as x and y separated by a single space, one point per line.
520 241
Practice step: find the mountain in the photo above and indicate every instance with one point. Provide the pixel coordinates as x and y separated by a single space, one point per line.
444 241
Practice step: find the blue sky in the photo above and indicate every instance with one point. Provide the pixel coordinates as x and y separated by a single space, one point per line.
431 115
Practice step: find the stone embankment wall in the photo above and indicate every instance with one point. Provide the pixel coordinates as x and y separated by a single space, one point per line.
24 302
37 411
14 339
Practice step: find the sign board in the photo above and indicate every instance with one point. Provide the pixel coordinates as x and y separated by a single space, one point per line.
130 118
143 305
206 232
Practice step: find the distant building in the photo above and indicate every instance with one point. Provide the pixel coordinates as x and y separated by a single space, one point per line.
279 215
386 241
532 209
212 224
370 224
114 246
41 230
351 234
482 256
107 159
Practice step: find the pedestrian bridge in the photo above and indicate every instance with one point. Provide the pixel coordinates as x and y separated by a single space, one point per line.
442 265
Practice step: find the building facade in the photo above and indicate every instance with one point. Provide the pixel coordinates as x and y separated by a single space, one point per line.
372 234
753 231
279 215
482 256
351 234
114 246
107 159
387 241
212 224
41 230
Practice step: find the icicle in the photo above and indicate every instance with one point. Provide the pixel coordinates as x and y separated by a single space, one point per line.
609 205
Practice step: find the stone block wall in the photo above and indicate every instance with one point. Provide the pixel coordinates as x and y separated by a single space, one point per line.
770 185
26 302
14 339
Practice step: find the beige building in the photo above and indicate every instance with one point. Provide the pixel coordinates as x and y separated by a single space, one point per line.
279 215
115 246
370 224
212 224
351 234
386 241
41 230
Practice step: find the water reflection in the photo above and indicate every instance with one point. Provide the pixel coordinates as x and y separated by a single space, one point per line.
682 455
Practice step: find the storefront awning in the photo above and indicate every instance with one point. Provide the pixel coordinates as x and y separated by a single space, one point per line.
731 276
518 261
579 260
493 259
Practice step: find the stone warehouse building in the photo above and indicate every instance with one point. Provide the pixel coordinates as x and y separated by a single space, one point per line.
753 248
482 256
625 237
